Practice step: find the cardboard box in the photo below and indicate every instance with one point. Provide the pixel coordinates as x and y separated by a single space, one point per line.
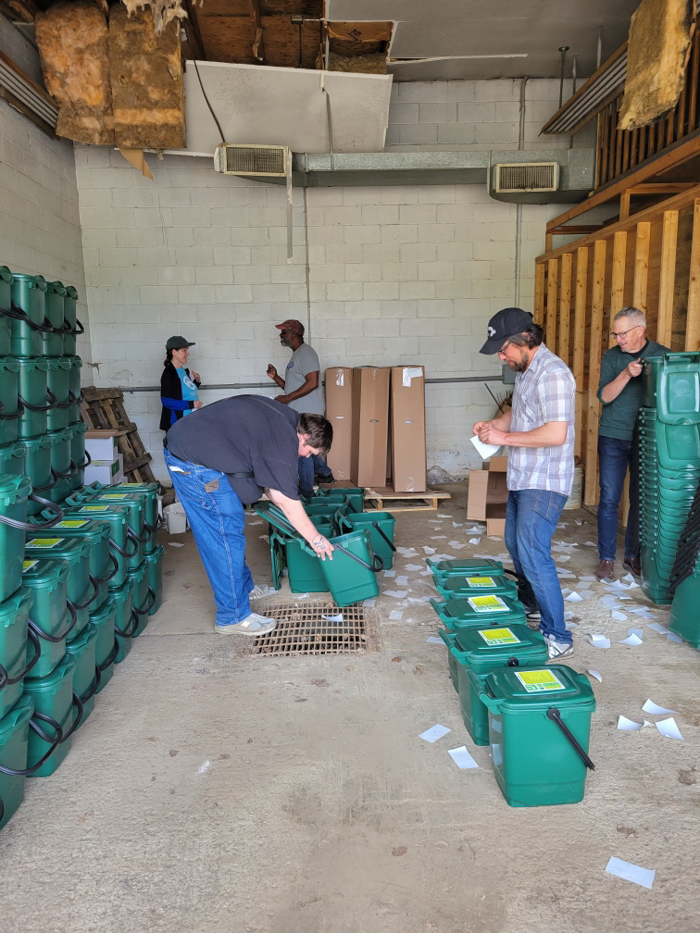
101 444
488 495
409 471
339 413
370 425
107 472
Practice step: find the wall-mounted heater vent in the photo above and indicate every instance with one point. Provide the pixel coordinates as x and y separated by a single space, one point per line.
511 178
252 160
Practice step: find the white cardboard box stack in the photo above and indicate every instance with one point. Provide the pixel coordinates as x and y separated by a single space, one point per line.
107 465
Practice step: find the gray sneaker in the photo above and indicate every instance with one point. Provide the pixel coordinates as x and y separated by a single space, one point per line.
254 625
558 650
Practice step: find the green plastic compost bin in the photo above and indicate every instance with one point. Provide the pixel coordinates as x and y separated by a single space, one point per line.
125 621
86 677
5 305
685 619
479 610
381 532
11 409
29 296
155 577
33 374
135 507
61 464
82 591
304 568
148 493
475 585
14 736
355 496
14 491
479 651
465 567
122 548
143 597
106 644
13 458
51 620
535 762
77 453
38 469
52 342
53 697
14 628
58 381
352 574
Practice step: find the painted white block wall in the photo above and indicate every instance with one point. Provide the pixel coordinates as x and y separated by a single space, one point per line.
39 217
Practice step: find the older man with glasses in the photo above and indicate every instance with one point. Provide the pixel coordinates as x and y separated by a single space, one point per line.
620 391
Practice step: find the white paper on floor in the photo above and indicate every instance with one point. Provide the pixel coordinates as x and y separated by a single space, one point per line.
389 573
639 632
396 615
456 524
673 637
632 582
588 577
426 573
301 596
401 581
642 611
369 603
264 537
434 640
435 521
599 641
413 567
618 616
462 758
434 733
175 544
627 725
408 551
256 523
658 627
440 515
589 544
656 710
584 584
630 872
573 598
444 557
474 540
475 530
598 676
563 558
504 555
419 599
397 594
456 545
428 550
631 640
669 729
338 618
438 537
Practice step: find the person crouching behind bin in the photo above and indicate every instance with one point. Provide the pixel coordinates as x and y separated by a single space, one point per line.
225 455
540 429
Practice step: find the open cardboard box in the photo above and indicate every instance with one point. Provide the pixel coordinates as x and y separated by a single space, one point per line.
488 495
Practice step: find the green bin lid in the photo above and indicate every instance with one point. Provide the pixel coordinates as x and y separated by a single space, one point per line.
20 601
539 688
38 572
137 573
105 613
8 364
71 292
58 287
486 648
155 555
137 488
36 443
276 517
75 645
39 684
120 593
490 607
65 434
478 583
74 527
13 489
10 451
33 281
468 565
19 715
58 362
71 549
32 363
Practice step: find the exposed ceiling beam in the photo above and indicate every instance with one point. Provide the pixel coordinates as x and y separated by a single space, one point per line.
25 10
194 36
256 19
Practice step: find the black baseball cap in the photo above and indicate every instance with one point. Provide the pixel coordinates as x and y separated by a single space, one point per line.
506 323
177 343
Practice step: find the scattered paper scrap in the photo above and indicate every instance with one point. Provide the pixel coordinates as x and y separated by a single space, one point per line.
656 710
618 616
669 729
573 598
630 872
589 544
462 758
641 611
588 577
627 725
429 550
658 627
598 676
401 581
457 545
175 544
631 640
369 603
599 641
397 594
673 637
337 618
256 523
434 640
563 558
395 616
441 515
426 573
408 551
264 537
438 537
389 573
434 733
504 555
413 567
456 524
639 632
475 530
474 540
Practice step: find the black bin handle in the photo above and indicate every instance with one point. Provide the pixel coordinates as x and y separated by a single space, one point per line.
554 714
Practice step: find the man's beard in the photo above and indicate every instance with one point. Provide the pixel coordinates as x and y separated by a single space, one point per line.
519 366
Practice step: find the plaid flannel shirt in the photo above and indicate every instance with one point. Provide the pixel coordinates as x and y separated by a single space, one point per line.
545 392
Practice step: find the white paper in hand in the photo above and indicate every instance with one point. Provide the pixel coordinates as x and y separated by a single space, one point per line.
484 450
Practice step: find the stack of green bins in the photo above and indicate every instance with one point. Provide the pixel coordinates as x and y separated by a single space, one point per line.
669 451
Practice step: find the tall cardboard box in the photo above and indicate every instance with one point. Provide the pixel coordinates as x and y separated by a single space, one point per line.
339 413
409 472
370 425
488 496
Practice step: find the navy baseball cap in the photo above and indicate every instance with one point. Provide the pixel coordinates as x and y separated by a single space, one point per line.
506 323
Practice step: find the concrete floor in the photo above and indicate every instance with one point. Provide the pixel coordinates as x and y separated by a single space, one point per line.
209 793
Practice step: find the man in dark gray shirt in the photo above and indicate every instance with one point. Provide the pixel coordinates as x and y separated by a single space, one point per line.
227 454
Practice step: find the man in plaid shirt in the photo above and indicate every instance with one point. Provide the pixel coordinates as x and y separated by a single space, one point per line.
540 429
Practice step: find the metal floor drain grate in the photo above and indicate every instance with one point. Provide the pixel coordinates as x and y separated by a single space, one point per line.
302 629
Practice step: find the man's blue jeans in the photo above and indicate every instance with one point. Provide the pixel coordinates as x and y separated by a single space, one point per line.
531 519
217 519
308 467
614 457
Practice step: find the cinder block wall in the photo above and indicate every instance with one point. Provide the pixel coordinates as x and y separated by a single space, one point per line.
381 275
39 217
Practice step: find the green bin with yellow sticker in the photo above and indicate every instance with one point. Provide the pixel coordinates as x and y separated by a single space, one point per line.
479 609
539 732
482 650
476 585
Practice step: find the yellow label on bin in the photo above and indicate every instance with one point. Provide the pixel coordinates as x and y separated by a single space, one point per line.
499 636
28 564
44 542
94 508
487 604
115 495
481 581
132 484
71 523
540 681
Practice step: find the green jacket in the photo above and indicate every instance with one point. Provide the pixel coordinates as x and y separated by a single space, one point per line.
618 417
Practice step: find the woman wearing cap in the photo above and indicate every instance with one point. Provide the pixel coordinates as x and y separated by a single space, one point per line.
178 384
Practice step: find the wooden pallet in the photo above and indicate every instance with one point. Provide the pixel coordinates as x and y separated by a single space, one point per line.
385 499
103 409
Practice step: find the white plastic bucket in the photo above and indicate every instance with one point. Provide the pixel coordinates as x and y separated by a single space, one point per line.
576 497
175 518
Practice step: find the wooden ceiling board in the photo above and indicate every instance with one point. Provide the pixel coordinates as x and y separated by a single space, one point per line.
230 39
361 32
310 8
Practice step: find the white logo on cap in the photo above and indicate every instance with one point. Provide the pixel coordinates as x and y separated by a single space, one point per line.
492 331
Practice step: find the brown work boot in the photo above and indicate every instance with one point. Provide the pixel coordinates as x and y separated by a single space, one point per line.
606 570
632 564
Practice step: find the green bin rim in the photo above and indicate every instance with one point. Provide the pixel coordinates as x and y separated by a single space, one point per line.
34 362
19 715
15 449
58 362
45 572
74 645
14 488
5 274
33 281
14 604
9 363
71 292
65 667
102 615
36 443
90 527
155 555
71 550
58 287
470 641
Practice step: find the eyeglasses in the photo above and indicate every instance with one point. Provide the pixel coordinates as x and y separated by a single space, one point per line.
623 333
502 351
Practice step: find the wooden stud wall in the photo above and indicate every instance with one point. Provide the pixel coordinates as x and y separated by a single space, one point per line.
650 260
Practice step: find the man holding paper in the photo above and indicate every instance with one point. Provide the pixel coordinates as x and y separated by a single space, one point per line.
540 429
